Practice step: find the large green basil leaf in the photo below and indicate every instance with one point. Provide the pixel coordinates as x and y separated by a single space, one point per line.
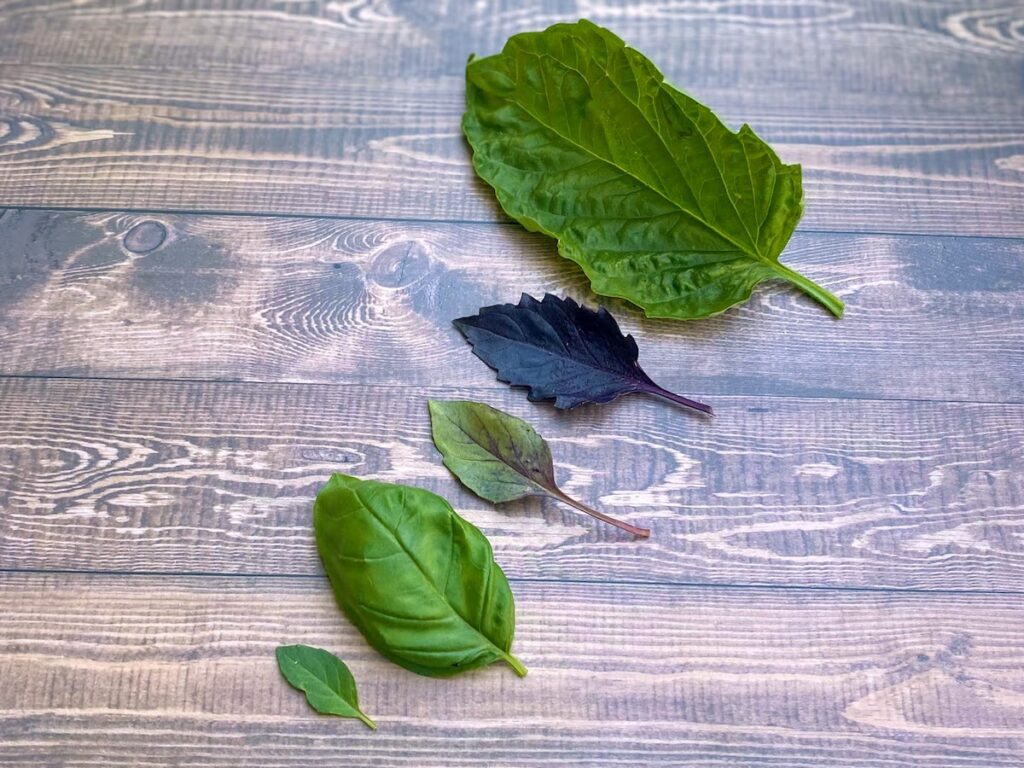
416 579
325 679
644 187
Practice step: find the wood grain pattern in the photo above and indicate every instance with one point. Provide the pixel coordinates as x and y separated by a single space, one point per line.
837 562
152 671
875 41
172 476
223 297
352 109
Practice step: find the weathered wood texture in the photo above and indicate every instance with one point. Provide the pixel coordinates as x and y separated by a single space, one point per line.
219 478
146 671
175 387
200 297
906 116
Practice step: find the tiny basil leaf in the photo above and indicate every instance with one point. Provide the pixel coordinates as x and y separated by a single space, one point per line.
561 350
416 579
325 679
500 457
644 187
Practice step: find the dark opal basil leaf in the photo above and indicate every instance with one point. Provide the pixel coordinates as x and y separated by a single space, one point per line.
644 187
416 579
561 350
325 679
499 457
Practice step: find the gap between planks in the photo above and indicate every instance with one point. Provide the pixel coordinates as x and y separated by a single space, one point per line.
505 221
220 381
678 585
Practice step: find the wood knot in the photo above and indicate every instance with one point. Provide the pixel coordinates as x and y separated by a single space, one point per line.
145 236
400 264
25 132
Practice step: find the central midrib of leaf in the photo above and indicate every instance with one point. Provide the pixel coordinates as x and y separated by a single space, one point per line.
696 216
594 366
426 577
493 451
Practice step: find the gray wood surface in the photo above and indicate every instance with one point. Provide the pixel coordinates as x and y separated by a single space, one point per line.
233 236
371 302
156 671
217 478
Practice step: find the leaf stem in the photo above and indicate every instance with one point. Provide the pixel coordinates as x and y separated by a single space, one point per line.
831 302
686 402
640 533
515 663
370 724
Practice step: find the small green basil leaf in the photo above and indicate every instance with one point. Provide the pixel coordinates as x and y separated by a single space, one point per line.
500 457
325 679
644 187
416 579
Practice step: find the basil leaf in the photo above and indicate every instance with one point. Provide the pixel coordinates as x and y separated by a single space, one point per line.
325 679
416 579
561 350
499 457
645 188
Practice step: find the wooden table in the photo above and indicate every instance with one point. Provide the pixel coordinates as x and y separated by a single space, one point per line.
235 235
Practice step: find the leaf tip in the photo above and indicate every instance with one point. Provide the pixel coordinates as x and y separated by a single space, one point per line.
283 654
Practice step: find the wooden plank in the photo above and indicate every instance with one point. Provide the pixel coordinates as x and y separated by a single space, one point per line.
219 478
202 297
353 111
146 671
864 46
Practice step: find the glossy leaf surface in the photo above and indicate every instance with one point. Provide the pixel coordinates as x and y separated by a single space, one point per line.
644 187
325 679
500 457
561 350
416 579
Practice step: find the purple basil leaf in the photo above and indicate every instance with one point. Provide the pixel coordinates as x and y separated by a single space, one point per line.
562 351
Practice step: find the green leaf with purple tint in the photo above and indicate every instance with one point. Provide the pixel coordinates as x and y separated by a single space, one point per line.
501 458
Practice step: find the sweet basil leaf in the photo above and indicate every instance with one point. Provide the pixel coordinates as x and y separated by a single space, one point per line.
561 350
325 679
416 579
499 457
644 187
